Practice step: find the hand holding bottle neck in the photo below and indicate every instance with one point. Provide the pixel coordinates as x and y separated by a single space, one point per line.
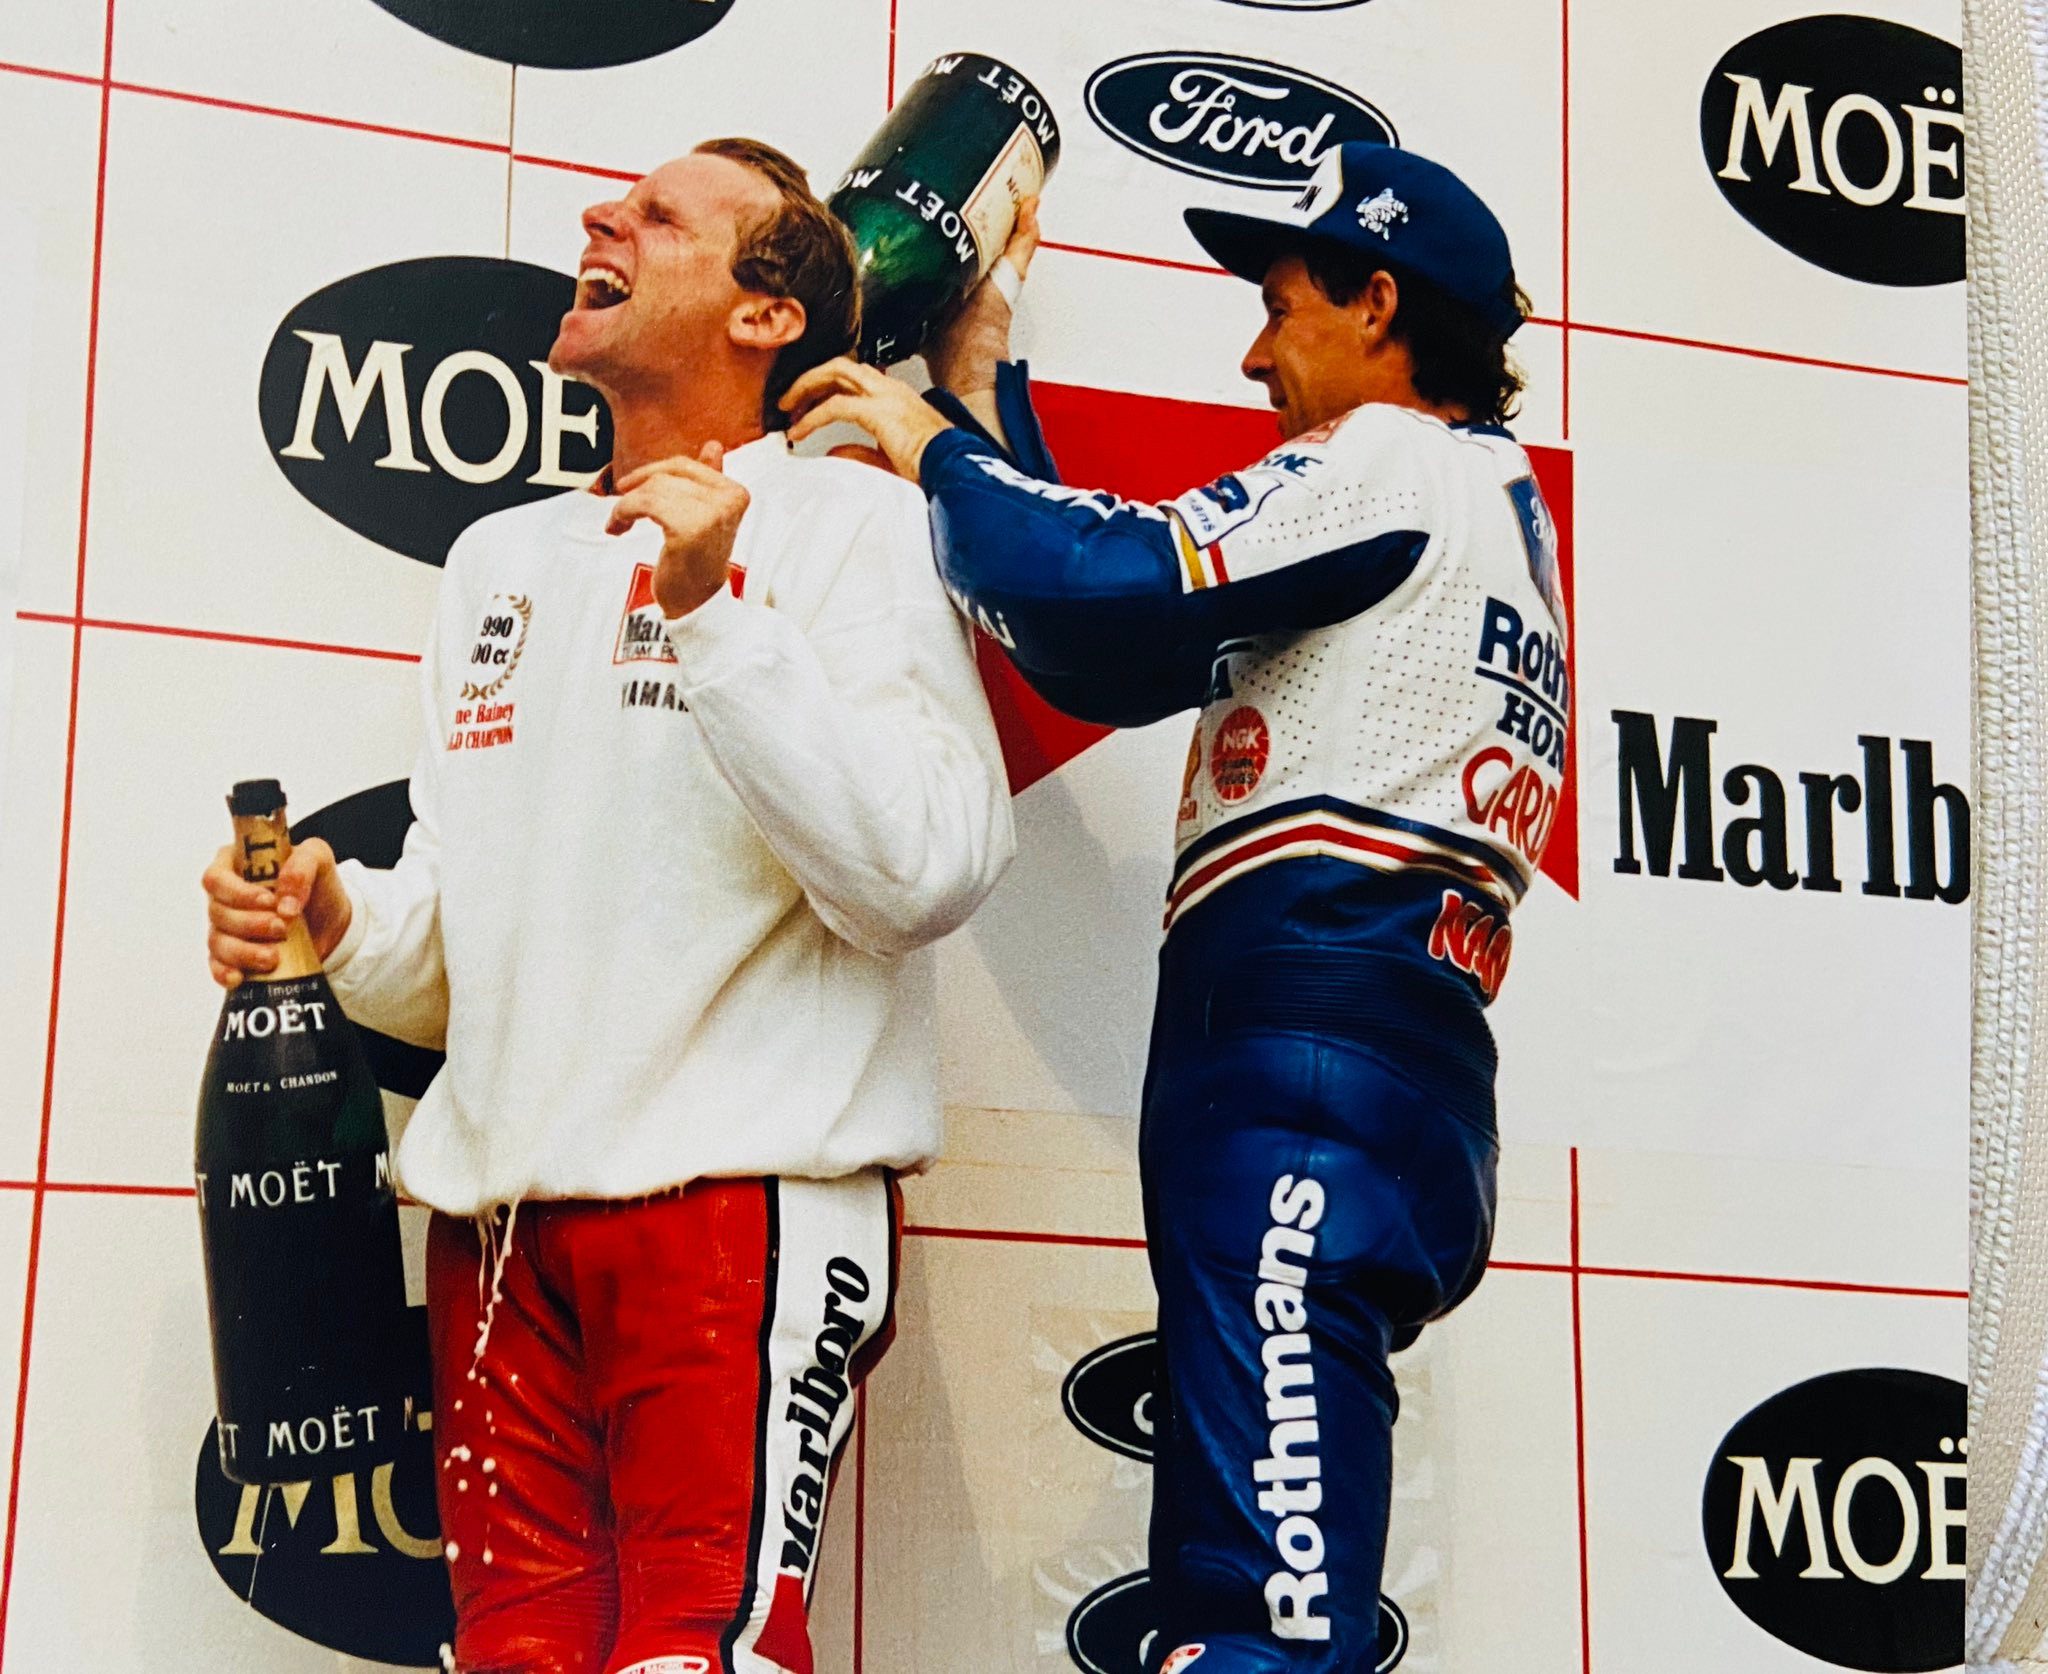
263 844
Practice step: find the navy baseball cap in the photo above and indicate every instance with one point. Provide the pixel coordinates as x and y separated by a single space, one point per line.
1380 201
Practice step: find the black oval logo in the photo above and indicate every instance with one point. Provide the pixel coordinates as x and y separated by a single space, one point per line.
1225 118
1109 1394
408 401
350 1562
1112 1628
563 34
1841 138
371 826
1834 1516
1298 5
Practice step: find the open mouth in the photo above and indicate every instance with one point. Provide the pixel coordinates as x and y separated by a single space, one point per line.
601 287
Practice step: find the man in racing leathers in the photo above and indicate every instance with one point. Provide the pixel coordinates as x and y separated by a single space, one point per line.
705 770
1369 621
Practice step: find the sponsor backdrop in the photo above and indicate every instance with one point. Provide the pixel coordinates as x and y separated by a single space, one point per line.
289 273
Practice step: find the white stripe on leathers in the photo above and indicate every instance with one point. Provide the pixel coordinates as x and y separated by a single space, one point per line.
837 1246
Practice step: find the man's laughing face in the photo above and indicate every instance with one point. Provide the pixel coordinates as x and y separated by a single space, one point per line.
654 289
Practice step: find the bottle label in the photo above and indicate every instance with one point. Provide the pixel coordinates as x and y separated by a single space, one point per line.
287 1017
288 1184
306 1289
991 208
271 1448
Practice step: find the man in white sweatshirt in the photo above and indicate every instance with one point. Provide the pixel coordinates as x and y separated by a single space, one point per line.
705 768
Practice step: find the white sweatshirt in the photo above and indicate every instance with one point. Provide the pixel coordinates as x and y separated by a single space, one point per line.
667 898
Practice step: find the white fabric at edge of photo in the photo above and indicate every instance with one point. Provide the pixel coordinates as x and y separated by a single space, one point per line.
2005 72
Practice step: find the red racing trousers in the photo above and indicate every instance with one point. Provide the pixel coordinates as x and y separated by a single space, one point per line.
638 1408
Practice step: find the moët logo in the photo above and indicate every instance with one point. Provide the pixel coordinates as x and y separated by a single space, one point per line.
563 34
1841 138
1112 1629
350 1562
1834 1516
1239 120
408 401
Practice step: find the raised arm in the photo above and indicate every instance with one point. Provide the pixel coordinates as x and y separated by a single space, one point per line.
1079 586
860 742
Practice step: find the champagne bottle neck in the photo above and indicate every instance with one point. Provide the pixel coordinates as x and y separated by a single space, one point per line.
263 843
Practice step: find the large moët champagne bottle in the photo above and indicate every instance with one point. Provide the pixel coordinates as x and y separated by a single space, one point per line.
933 198
298 1215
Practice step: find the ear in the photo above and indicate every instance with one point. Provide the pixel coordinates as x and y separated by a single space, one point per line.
1372 310
766 322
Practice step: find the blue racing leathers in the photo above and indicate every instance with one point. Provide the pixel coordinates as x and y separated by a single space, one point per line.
1368 620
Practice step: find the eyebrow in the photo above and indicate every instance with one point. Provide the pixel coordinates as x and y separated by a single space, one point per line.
670 206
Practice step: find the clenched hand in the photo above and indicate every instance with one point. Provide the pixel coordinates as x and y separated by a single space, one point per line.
699 509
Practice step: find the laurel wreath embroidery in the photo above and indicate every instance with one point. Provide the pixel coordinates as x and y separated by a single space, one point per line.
523 606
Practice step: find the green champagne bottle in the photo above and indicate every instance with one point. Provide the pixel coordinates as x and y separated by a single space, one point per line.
933 198
298 1214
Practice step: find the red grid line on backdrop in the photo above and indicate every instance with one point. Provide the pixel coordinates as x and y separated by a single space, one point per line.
893 8
1590 1270
41 1186
1101 1241
217 635
1571 327
35 1224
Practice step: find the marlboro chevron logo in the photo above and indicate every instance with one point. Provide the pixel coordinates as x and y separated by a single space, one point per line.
408 401
1834 1517
1240 120
643 636
563 34
1841 138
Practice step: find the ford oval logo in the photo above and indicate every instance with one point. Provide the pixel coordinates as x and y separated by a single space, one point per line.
1239 120
1109 1394
408 401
